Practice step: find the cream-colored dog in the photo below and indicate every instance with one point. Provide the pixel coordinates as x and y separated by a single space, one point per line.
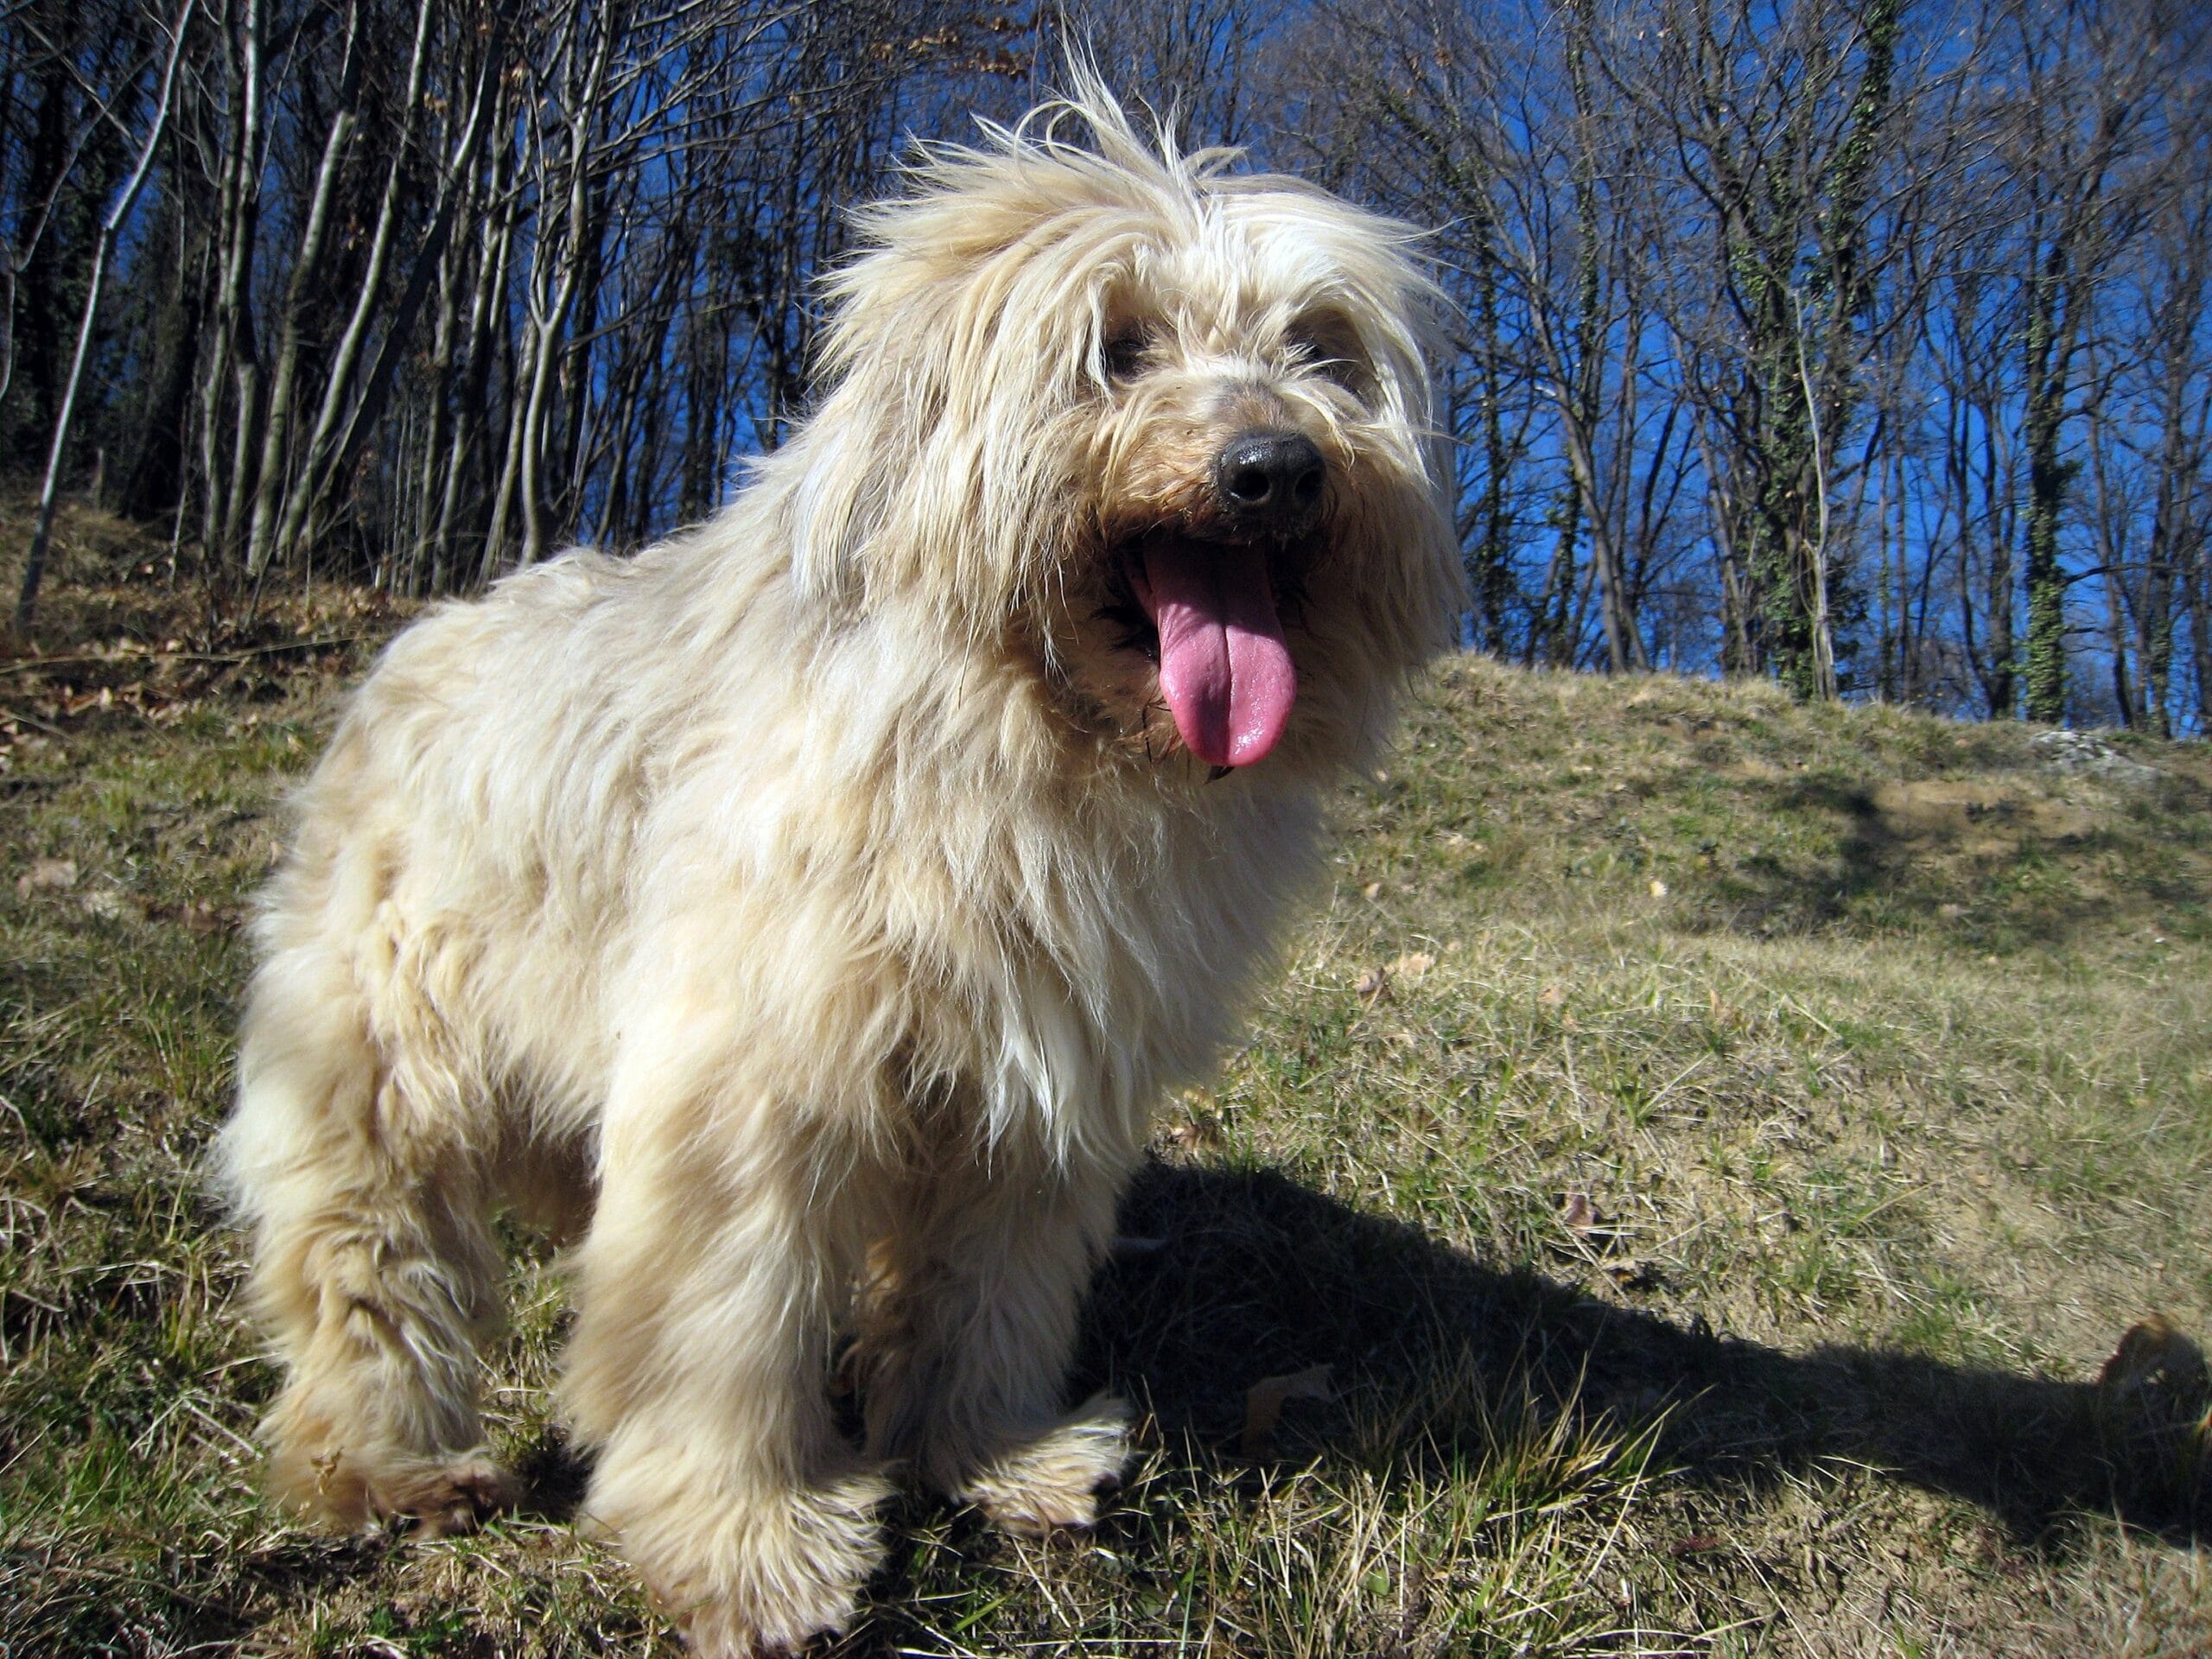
816 904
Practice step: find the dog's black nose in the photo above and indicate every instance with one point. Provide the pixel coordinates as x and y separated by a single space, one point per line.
1269 478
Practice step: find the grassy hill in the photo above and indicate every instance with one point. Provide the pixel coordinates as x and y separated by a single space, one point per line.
1679 1198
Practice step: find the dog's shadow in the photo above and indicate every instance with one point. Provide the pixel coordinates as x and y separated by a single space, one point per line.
1241 1275
1244 1274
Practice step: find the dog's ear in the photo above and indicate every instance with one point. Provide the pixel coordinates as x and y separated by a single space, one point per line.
956 344
959 341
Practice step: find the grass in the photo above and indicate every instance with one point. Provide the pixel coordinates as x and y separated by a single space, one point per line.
1711 1144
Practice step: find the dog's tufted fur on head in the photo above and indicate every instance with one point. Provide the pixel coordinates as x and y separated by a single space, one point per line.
808 911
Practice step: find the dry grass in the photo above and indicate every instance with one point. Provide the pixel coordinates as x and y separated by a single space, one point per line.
1711 1144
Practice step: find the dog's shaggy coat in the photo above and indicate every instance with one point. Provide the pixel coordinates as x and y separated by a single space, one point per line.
809 909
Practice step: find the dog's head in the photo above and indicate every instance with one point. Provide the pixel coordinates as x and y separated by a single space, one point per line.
1163 429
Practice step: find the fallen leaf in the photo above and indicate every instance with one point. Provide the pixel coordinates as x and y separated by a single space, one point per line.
110 904
2154 1405
1553 996
1198 1131
204 917
1578 1212
1372 983
1411 966
47 872
1372 890
2154 1357
1264 1401
1658 888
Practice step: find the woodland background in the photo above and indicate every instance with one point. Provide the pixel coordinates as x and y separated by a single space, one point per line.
1866 344
1729 1170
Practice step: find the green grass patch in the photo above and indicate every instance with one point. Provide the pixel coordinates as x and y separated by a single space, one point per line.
1711 1144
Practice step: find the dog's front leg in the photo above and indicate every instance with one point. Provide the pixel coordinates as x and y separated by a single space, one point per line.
979 1293
709 1285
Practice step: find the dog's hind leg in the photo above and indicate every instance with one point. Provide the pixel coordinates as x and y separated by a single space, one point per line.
717 1263
972 1325
373 1265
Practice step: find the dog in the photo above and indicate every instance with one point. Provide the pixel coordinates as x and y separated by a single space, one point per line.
806 912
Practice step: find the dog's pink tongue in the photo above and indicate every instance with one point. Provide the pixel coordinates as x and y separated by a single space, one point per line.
1225 668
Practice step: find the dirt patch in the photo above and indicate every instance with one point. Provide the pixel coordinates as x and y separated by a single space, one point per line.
1977 816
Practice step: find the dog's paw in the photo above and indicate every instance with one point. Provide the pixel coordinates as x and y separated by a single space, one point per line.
760 1581
445 1499
342 1490
1054 1483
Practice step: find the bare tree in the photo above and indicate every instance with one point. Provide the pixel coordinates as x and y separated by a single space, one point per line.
1859 343
102 249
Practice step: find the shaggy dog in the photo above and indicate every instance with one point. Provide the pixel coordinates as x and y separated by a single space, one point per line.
810 909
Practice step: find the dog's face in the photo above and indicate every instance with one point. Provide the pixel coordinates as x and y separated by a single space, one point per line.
1165 431
1254 489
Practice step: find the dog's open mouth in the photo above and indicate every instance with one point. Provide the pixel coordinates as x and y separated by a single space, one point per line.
1225 671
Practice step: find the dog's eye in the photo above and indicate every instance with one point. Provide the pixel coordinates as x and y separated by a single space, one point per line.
1331 351
1123 352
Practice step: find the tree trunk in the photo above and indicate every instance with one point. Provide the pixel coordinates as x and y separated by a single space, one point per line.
118 210
2050 352
276 429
